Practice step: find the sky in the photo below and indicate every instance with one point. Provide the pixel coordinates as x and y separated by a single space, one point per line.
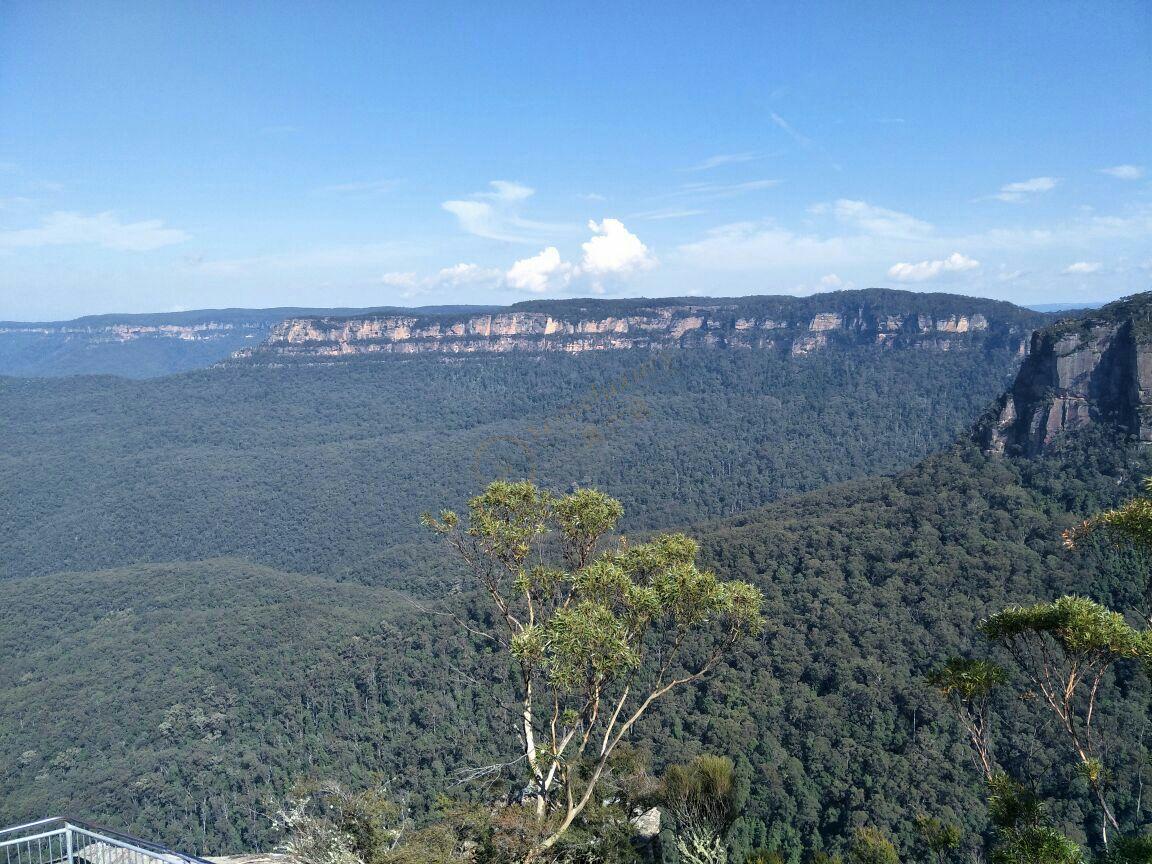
158 156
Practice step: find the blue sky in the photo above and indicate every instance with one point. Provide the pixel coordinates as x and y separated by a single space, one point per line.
158 155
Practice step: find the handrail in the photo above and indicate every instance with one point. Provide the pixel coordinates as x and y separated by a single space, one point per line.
70 831
28 825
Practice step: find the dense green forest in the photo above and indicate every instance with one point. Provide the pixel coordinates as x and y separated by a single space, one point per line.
181 699
216 586
325 469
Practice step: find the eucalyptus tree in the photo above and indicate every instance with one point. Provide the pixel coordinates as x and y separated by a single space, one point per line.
1065 648
968 685
598 628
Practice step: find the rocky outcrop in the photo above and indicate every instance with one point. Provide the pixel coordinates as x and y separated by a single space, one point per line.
1091 370
790 326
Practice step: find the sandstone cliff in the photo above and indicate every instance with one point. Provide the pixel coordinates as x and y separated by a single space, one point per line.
1094 369
791 326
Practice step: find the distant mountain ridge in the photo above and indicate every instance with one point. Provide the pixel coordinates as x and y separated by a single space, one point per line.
148 345
791 326
151 345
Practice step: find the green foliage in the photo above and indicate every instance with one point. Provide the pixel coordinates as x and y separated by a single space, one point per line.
1128 850
939 839
703 798
1080 626
968 680
870 846
582 621
321 469
1040 844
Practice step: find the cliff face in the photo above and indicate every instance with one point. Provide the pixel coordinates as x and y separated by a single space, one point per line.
1092 370
791 326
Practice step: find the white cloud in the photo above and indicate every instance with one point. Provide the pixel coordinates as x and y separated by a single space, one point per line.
614 251
724 159
1021 190
466 274
926 271
1082 268
591 196
723 190
494 214
790 131
758 246
507 190
666 213
878 221
1010 275
541 273
401 280
831 281
1124 172
99 229
456 276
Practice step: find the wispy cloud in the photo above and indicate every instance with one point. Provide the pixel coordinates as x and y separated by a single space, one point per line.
804 142
1014 193
788 129
1082 268
721 190
926 271
495 214
870 219
725 159
104 230
667 213
457 276
1124 172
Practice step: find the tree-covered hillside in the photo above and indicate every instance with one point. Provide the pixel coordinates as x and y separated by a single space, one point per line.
325 469
183 699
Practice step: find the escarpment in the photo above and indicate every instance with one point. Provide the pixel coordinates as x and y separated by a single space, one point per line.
1092 370
790 326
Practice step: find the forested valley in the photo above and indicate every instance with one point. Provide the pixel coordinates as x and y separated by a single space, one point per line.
218 591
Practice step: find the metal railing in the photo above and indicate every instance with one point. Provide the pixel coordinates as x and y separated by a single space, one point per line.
70 841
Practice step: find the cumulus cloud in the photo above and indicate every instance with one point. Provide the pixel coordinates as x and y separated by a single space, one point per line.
831 282
614 251
1124 172
925 271
1016 192
541 273
99 229
1082 268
